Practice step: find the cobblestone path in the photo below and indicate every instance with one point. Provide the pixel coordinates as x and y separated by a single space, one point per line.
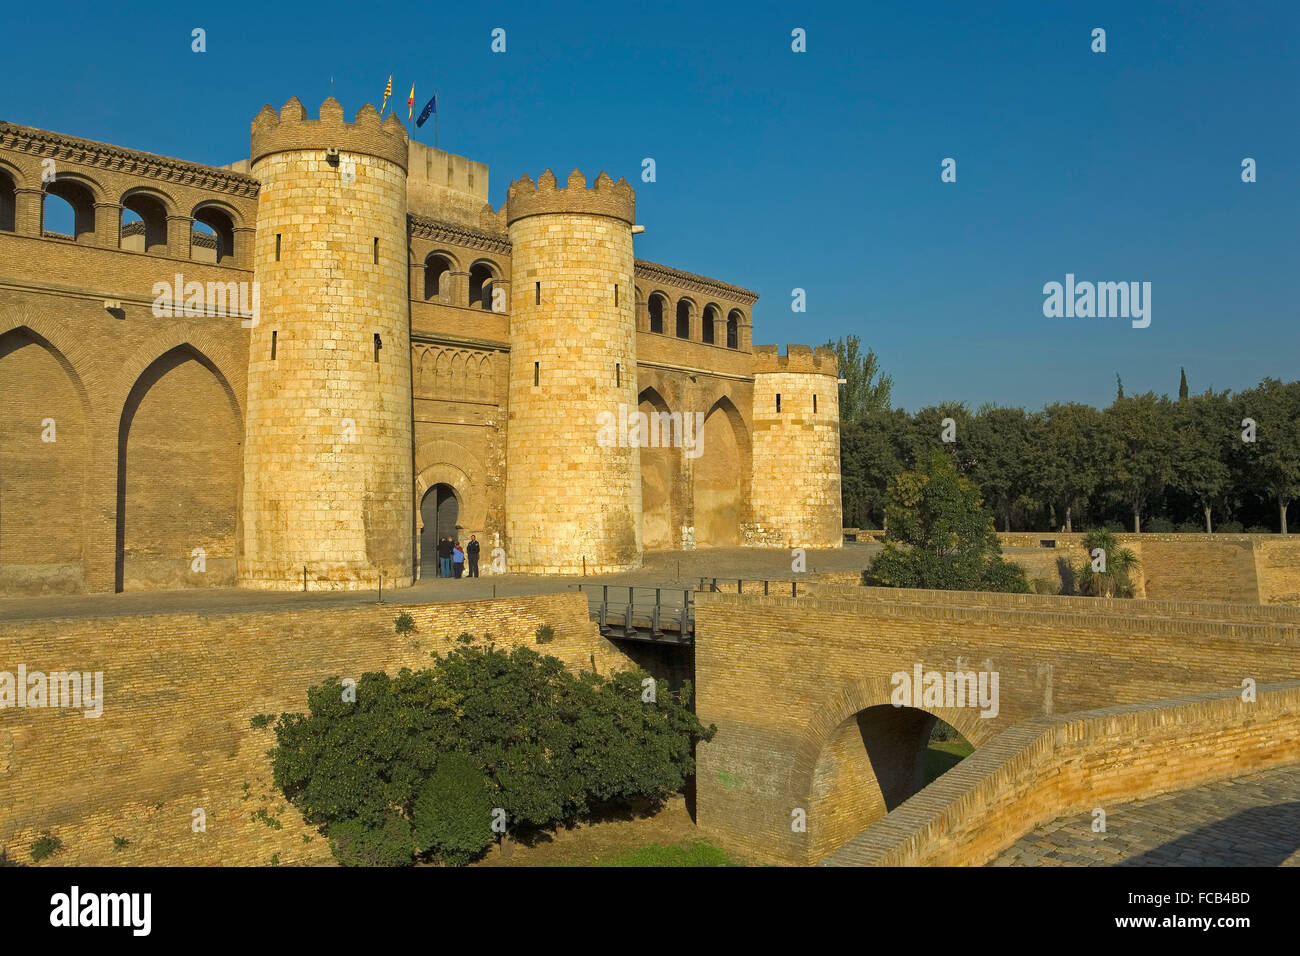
1248 821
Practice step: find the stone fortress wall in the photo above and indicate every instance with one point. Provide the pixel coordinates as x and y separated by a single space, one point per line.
174 453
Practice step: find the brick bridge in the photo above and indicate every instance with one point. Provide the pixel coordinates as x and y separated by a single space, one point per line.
1099 701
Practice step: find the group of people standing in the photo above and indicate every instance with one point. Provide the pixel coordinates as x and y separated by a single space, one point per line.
452 558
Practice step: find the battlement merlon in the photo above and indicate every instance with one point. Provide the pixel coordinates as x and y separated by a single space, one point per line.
798 358
616 200
291 130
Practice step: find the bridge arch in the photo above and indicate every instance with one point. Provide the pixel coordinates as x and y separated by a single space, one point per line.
861 756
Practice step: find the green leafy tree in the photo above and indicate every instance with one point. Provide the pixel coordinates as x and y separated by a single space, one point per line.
1140 432
452 815
1204 433
1000 448
866 388
1108 567
869 456
1071 458
1182 384
939 536
1275 455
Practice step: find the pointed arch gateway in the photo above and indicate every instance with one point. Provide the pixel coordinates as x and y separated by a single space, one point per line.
179 472
660 468
720 473
45 450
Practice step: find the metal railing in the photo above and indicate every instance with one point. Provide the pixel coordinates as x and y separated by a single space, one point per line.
659 617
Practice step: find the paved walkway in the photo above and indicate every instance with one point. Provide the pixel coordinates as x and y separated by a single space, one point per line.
1247 821
666 569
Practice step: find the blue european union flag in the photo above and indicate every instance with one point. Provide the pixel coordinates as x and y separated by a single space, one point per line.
429 107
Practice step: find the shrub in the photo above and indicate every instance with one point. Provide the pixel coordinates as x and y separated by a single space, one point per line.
452 817
404 623
1160 525
1230 527
1116 527
1190 527
545 633
1258 529
258 721
1113 580
120 843
547 745
466 637
45 847
389 844
940 536
1044 586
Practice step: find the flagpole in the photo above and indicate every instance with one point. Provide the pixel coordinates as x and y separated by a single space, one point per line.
435 117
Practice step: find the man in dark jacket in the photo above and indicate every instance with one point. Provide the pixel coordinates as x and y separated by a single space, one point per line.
471 552
444 557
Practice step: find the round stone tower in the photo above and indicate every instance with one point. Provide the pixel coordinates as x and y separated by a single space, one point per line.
573 487
796 480
328 498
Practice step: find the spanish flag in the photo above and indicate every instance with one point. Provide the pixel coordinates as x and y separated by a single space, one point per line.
388 91
410 103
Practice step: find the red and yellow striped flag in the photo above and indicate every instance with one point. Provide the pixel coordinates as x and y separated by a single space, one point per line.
410 103
388 91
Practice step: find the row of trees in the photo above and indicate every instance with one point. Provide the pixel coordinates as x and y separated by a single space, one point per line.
939 535
434 764
1220 461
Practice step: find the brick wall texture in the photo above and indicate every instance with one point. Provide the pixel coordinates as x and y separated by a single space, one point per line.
792 683
179 690
1046 768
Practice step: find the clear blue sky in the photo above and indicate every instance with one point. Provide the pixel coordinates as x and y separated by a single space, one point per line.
817 170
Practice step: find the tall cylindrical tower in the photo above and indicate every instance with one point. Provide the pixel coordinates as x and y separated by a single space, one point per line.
328 483
573 485
796 480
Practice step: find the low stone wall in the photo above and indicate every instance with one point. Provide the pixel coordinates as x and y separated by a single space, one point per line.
179 690
1251 568
1045 768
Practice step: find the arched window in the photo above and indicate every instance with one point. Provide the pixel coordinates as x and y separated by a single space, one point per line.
480 285
657 303
683 318
144 224
710 317
212 238
68 209
733 328
437 277
8 202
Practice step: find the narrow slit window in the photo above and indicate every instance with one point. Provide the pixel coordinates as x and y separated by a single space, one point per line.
616 295
379 344
537 372
618 375
539 293
277 247
273 334
814 404
778 402
376 250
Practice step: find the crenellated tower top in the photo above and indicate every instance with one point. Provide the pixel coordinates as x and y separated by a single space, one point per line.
617 200
798 358
366 134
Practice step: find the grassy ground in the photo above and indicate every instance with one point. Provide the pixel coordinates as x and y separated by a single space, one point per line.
664 838
943 755
686 853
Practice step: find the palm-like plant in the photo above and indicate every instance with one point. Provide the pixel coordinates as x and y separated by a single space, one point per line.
1109 577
